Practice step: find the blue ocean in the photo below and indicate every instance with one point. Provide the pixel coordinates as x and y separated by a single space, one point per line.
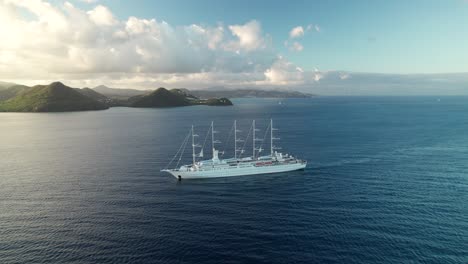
386 182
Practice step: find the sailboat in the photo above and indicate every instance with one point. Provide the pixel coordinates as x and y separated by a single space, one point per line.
238 165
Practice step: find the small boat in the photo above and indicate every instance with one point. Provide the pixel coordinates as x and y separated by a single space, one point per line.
238 165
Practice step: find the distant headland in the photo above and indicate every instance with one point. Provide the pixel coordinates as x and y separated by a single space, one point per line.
57 97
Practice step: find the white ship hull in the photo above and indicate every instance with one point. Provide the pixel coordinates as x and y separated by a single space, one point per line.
236 171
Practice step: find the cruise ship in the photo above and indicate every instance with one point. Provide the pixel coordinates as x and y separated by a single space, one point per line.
238 165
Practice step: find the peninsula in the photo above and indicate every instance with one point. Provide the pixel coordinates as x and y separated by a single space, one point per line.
57 97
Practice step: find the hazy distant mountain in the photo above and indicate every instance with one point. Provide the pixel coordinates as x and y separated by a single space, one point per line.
176 97
5 85
241 93
55 97
384 84
117 93
216 92
93 94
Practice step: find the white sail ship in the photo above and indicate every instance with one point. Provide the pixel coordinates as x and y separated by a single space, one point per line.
215 167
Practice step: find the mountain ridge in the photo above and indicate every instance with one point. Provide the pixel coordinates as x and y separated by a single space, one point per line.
248 92
54 97
160 97
163 97
215 92
119 93
57 97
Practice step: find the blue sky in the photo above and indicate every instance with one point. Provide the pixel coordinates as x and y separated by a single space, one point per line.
429 36
326 47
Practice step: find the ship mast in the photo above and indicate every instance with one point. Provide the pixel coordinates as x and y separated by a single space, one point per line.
272 147
235 139
214 141
193 146
212 138
271 137
253 139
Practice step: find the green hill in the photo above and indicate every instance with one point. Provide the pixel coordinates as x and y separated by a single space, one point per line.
55 97
159 98
175 97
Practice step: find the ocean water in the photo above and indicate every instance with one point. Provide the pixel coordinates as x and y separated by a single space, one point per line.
387 182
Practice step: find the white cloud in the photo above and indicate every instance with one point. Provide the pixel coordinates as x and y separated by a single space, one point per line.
296 46
313 27
215 37
317 75
249 35
91 47
299 31
283 72
296 32
136 26
102 16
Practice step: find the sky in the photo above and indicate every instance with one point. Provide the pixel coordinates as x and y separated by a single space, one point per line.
325 47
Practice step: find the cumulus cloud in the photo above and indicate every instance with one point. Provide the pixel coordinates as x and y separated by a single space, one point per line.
91 47
296 32
249 35
283 72
299 32
102 16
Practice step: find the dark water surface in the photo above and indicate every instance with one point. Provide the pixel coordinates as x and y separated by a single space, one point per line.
387 183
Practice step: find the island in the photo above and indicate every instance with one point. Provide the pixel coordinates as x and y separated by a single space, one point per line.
57 97
172 98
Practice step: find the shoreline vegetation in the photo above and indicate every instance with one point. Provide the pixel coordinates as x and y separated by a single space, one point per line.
57 97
